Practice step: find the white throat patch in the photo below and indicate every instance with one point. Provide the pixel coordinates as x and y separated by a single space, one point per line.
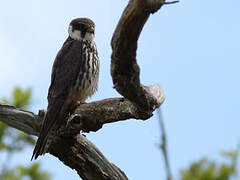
76 35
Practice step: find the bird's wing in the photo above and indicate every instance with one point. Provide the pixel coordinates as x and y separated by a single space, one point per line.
64 74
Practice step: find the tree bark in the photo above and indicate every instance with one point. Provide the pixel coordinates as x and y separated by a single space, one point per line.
138 102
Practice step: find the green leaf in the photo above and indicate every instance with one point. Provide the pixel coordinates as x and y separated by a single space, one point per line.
20 98
13 141
205 169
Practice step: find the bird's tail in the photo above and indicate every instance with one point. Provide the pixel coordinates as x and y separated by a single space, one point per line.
43 143
55 114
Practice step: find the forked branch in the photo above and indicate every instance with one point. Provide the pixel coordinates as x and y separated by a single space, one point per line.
138 102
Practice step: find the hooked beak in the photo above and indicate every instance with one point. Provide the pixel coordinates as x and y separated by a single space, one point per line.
91 29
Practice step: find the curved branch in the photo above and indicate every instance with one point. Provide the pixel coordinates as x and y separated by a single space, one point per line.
124 68
139 102
92 116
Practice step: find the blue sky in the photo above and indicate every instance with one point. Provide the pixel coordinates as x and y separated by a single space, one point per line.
191 49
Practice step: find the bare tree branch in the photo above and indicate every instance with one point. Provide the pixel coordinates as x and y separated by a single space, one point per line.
22 120
163 145
92 116
74 151
139 101
124 68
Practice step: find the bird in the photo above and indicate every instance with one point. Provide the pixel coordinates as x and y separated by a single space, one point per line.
74 78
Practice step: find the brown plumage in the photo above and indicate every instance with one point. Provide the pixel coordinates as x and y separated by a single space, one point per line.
74 78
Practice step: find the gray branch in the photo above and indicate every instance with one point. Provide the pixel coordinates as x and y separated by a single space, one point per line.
92 116
24 121
138 102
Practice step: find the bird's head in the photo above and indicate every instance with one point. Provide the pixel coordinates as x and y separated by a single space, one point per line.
81 29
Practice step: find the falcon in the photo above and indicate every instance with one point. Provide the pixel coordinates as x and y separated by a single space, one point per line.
74 78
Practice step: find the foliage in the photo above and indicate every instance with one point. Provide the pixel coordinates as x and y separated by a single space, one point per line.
13 141
20 98
211 170
20 172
